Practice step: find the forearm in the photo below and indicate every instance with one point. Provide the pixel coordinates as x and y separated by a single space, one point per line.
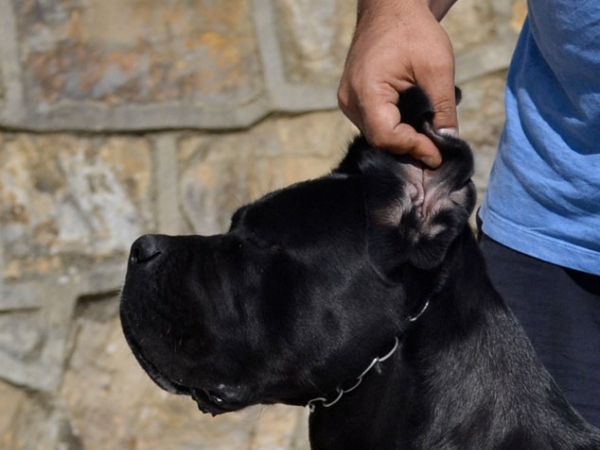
439 8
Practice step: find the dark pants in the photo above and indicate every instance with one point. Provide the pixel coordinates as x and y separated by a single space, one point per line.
560 311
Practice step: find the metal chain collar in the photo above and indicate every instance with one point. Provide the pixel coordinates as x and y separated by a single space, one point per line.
340 391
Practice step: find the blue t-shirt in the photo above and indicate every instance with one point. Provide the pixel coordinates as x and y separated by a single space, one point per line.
543 197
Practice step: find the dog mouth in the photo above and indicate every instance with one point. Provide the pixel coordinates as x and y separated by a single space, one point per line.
213 403
210 401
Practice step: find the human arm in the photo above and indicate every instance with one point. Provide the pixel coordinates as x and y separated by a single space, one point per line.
396 44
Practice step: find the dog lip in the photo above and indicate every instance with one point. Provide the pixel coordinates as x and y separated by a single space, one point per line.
212 403
208 401
161 380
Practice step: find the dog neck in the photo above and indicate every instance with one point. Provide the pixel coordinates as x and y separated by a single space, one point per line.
327 402
434 282
464 377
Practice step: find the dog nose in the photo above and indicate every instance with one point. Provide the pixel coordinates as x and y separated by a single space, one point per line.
147 248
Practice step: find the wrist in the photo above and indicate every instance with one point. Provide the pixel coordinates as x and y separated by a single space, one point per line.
438 8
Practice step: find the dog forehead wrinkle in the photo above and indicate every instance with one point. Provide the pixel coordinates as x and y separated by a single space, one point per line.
336 199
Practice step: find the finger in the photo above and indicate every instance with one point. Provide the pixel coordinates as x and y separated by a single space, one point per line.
420 148
441 91
382 128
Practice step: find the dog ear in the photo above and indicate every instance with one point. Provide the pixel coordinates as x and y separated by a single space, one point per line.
414 213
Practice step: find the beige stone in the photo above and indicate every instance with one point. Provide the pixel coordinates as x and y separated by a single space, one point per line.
519 13
72 203
32 422
470 23
62 194
2 90
113 404
281 428
12 400
481 116
117 52
314 36
223 172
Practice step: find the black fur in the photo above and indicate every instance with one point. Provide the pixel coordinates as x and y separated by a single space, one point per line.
313 281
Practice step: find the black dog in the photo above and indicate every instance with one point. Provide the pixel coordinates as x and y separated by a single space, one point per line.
362 294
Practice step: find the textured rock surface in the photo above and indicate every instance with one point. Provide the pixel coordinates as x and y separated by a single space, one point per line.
115 52
219 173
103 384
316 36
120 117
63 195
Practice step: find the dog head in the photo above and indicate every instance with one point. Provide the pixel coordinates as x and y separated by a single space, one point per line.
309 283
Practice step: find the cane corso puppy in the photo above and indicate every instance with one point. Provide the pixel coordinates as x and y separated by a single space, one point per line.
361 294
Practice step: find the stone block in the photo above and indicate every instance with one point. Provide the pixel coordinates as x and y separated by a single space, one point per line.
470 23
30 421
484 34
481 118
2 89
220 173
33 338
12 399
113 404
473 23
518 14
20 334
64 196
130 65
70 206
114 52
314 37
11 88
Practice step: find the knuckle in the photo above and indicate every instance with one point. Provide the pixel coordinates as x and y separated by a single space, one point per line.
343 98
444 105
348 98
437 58
342 91
379 139
396 143
444 64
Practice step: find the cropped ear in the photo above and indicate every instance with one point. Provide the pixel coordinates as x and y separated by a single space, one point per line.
414 213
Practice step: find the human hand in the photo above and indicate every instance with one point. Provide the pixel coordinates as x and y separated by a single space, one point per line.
398 44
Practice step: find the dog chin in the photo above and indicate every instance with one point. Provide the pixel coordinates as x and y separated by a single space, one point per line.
208 401
161 380
211 403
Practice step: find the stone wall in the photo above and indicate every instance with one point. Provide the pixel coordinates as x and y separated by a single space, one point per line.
121 117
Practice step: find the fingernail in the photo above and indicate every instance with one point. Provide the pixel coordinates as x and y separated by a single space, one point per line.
452 132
